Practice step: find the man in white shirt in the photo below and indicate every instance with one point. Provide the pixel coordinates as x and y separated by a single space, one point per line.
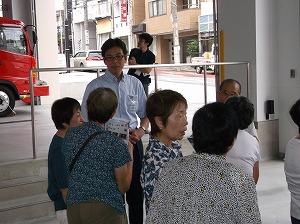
292 166
245 151
132 107
228 88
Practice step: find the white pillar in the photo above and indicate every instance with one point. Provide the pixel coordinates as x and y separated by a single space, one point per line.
48 48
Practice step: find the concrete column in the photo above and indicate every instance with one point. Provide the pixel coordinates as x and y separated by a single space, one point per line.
7 8
47 45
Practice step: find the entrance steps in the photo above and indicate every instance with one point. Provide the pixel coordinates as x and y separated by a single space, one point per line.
23 192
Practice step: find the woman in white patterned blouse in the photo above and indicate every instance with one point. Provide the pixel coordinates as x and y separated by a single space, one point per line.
203 187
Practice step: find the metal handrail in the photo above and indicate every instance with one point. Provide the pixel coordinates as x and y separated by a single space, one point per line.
155 66
138 66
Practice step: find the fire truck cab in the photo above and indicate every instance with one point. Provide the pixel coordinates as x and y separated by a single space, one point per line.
16 60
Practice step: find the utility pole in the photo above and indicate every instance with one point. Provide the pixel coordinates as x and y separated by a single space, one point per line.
112 6
61 31
68 31
176 47
130 21
86 25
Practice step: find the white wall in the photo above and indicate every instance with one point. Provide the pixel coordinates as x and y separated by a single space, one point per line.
47 46
22 12
265 33
266 56
237 21
288 57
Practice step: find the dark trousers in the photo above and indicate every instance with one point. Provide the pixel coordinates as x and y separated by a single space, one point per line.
146 88
134 196
294 220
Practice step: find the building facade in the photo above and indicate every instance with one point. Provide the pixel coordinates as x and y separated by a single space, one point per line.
126 19
107 19
160 23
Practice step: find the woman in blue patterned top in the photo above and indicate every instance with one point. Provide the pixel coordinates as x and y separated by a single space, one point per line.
65 114
103 171
166 111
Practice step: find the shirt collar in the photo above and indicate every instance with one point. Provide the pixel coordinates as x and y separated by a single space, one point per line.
113 78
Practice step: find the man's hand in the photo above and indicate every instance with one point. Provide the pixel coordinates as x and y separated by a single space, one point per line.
132 61
135 135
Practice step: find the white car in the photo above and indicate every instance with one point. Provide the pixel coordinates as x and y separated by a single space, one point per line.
85 59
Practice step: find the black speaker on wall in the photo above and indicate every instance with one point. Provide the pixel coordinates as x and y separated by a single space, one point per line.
270 109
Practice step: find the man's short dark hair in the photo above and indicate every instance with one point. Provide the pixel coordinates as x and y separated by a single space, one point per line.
215 126
229 81
295 114
62 111
101 104
243 108
147 37
110 43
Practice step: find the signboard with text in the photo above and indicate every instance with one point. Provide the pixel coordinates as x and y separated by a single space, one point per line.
123 10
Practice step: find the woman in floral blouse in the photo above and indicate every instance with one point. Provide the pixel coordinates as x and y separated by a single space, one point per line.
166 111
204 187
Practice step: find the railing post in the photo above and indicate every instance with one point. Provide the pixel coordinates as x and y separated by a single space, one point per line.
205 86
155 79
248 81
32 114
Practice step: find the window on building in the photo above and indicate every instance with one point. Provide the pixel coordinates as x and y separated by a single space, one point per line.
157 7
206 23
117 9
104 9
187 4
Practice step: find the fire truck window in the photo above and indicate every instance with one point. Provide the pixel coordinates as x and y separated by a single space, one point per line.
2 41
15 40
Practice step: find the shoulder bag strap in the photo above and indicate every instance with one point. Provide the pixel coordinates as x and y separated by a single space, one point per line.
81 150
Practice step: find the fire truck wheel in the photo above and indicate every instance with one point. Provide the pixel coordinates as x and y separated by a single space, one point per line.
7 101
199 69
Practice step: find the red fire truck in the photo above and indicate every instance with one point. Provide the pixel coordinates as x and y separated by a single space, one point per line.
16 59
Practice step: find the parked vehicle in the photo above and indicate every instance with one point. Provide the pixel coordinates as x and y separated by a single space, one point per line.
85 59
16 60
197 60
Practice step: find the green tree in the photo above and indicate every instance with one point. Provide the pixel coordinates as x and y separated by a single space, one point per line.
193 47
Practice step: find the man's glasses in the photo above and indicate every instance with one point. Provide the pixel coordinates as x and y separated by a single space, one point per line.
227 93
112 58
